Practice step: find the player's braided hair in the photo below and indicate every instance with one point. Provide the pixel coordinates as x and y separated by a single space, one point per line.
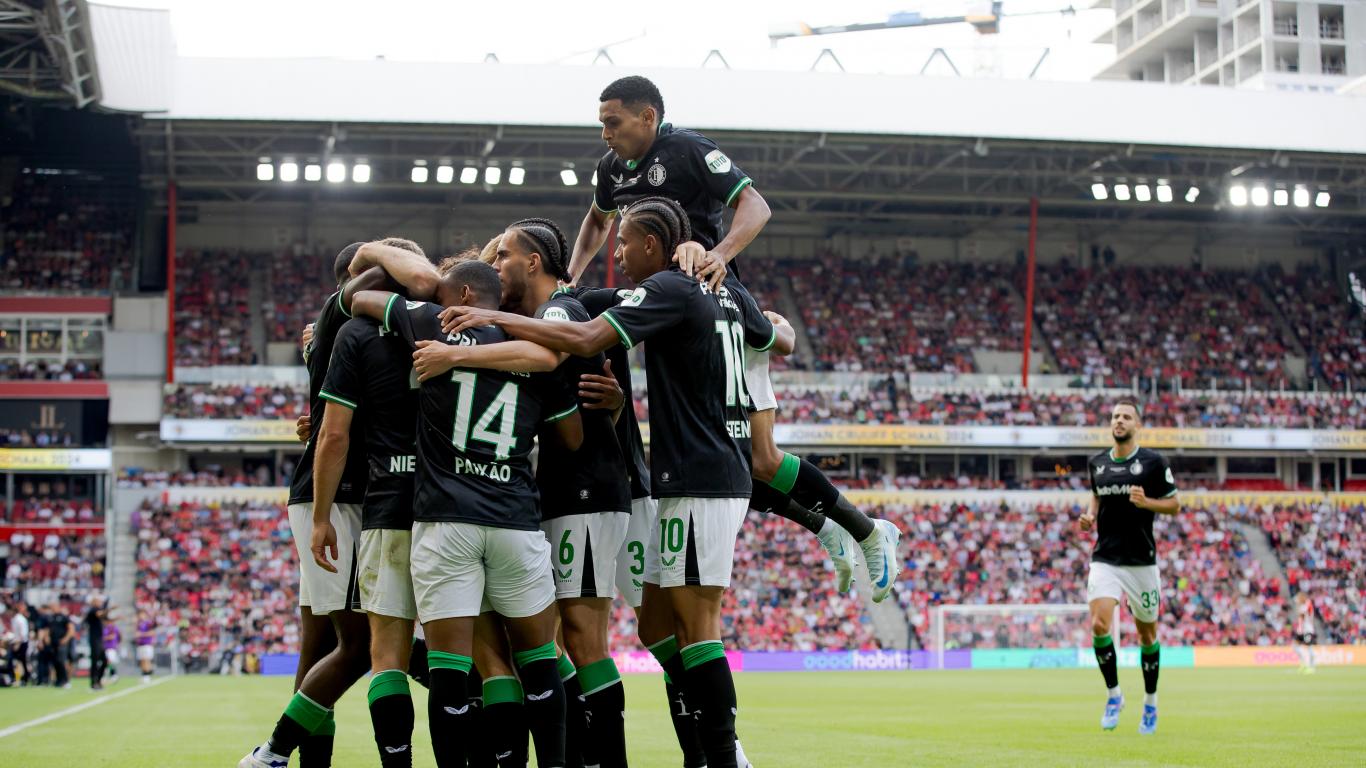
663 218
547 239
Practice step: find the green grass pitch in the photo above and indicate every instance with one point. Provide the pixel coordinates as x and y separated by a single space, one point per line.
1033 718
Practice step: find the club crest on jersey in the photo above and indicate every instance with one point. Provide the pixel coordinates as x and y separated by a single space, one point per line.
717 162
656 175
1136 468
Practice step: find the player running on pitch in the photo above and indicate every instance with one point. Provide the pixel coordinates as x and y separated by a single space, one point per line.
1131 485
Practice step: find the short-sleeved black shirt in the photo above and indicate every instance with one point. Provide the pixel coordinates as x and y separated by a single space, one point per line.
682 165
596 301
593 478
372 373
475 430
1124 534
351 490
694 363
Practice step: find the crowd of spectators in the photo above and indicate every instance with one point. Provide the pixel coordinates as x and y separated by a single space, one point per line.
59 234
211 477
1322 547
889 313
53 511
234 401
1114 325
297 285
1325 322
64 563
41 438
50 370
213 313
222 577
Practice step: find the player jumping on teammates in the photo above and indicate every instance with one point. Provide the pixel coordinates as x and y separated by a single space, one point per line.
699 468
476 530
648 157
1130 485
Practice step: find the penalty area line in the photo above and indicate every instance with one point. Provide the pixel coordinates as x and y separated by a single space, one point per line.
13 729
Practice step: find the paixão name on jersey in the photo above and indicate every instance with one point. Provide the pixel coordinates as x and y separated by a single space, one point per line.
500 472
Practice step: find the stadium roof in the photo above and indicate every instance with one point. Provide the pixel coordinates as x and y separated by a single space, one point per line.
140 72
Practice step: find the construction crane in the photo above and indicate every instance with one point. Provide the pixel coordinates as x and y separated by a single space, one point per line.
986 22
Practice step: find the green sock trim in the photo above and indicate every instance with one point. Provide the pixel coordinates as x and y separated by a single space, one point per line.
1148 650
544 653
565 668
503 690
306 712
329 726
390 682
786 477
598 675
698 654
664 649
1102 641
443 660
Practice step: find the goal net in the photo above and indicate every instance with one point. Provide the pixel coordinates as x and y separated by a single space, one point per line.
1010 626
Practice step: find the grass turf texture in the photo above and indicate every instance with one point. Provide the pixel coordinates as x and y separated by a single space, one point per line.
1212 717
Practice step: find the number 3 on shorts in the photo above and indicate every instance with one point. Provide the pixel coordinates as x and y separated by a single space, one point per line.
637 550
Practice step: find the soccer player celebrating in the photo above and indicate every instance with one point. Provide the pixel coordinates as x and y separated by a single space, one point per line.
371 371
1130 485
699 469
648 157
476 531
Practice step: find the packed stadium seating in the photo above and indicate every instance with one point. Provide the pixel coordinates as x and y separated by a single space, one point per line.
295 290
1324 322
50 370
43 438
53 511
234 401
63 237
213 316
222 575
64 563
132 477
1322 548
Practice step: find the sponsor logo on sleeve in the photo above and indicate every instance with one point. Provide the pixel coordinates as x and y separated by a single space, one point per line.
557 314
636 298
415 304
717 162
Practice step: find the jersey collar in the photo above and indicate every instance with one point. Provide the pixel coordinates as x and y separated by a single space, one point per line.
1126 458
664 128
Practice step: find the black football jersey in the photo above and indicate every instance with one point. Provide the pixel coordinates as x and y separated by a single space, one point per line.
475 429
351 490
593 478
372 373
694 363
682 165
1124 533
596 301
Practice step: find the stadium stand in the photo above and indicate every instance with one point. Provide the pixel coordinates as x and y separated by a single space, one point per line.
1322 548
213 315
132 477
43 438
295 291
50 370
65 563
234 401
59 236
1324 324
49 511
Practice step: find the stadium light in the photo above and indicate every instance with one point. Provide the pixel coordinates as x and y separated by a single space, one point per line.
1322 199
1099 192
289 171
1164 192
336 172
1280 197
264 170
1142 193
1122 192
313 172
569 177
360 173
469 174
516 175
445 174
1259 196
419 174
1192 194
1237 195
493 174
1301 197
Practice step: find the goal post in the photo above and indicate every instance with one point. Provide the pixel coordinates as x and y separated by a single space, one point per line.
1014 625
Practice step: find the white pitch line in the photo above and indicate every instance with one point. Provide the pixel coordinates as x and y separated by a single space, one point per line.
13 729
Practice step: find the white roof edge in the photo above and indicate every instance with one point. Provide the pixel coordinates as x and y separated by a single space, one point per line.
1112 112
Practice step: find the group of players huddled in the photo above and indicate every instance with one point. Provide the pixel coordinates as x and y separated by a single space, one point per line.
416 498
